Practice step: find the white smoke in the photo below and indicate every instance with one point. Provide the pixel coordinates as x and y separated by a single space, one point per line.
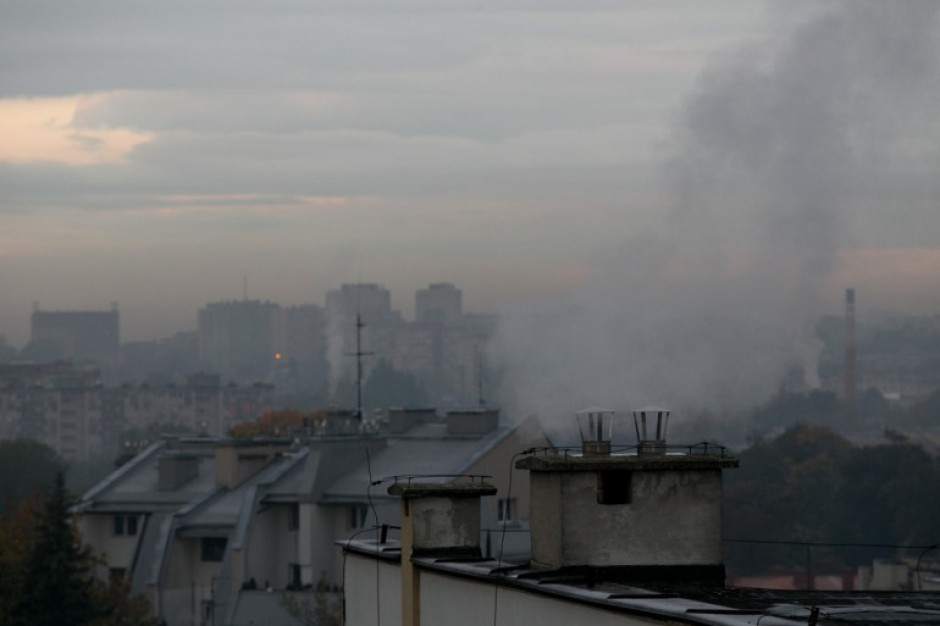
778 144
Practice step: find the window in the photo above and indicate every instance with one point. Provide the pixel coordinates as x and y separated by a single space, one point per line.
506 510
125 525
613 487
293 520
213 548
117 574
357 516
293 576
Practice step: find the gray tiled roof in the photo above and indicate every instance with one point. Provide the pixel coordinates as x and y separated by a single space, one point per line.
134 487
425 450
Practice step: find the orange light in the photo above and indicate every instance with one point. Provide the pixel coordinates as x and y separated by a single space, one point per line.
277 356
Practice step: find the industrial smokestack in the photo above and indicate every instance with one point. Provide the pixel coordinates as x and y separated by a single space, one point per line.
850 356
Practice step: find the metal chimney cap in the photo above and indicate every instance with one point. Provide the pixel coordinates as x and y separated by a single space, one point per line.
595 409
652 408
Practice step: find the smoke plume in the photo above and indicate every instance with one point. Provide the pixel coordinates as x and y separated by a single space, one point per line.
777 145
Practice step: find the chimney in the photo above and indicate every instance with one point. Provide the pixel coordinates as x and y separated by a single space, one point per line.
596 426
437 519
650 511
849 367
472 422
401 420
651 423
235 461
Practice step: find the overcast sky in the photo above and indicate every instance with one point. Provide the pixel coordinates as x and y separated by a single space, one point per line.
154 153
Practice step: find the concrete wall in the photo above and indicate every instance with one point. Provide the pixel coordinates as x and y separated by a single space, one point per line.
365 607
187 583
673 518
497 463
271 548
463 602
118 551
459 601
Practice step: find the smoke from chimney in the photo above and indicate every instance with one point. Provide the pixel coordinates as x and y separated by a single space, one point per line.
777 146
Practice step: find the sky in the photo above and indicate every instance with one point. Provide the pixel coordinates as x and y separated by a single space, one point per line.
600 164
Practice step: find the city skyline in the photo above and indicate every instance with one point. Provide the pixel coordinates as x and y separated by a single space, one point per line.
514 149
625 171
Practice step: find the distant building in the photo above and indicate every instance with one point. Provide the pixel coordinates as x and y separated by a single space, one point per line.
79 335
58 404
201 405
237 338
157 360
68 409
370 305
300 366
371 301
440 303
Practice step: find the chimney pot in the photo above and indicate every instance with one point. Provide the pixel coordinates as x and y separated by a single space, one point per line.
596 425
651 423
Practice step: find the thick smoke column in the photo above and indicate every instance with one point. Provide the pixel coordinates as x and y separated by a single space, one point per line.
778 145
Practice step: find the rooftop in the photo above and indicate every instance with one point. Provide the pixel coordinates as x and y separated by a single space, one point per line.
643 591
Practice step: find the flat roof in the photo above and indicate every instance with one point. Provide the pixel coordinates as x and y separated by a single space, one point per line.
684 602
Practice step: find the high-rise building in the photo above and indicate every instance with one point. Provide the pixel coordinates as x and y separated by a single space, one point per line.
80 335
370 301
237 338
440 303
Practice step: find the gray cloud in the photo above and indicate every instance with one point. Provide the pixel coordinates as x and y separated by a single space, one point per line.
512 147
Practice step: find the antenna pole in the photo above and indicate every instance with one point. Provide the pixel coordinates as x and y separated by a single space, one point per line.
359 367
359 354
480 400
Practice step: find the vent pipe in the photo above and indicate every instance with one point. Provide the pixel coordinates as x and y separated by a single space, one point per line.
596 426
651 423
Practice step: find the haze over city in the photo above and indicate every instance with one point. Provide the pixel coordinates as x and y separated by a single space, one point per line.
418 312
621 169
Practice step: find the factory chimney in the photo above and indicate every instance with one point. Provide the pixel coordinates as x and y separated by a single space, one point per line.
849 367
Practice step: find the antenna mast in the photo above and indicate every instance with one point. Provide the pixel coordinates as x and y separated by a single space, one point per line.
480 400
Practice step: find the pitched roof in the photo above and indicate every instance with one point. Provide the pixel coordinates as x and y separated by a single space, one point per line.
134 486
425 450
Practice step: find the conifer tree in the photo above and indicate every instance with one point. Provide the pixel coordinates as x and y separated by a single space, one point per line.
57 584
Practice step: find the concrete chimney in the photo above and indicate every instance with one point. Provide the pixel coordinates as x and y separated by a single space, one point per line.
849 367
650 510
437 519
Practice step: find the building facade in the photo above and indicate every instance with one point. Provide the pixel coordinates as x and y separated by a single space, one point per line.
78 335
199 524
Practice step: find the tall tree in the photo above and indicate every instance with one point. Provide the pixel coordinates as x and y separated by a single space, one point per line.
26 466
17 536
57 579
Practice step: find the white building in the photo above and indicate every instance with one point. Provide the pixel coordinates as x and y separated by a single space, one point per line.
199 524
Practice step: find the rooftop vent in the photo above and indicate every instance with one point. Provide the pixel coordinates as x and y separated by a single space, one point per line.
403 419
596 425
472 422
651 423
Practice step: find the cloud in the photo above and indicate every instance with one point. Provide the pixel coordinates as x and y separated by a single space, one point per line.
41 129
